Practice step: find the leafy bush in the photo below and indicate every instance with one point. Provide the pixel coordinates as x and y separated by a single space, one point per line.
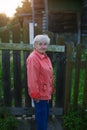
7 121
75 120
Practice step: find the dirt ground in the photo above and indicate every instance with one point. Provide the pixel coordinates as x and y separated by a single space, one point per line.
53 124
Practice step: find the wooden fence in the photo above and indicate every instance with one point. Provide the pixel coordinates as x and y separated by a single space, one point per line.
75 84
13 78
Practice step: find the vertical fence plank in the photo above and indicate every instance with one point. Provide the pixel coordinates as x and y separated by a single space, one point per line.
27 98
77 75
17 78
6 69
25 53
67 78
6 77
60 79
17 68
51 58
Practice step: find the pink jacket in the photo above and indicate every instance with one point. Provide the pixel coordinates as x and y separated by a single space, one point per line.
39 76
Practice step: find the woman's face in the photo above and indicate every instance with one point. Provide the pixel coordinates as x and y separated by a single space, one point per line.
41 47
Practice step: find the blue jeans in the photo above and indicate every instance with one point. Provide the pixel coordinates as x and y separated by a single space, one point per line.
41 114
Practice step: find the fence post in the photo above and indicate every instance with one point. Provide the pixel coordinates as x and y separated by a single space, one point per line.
6 69
17 67
25 54
77 75
60 77
68 71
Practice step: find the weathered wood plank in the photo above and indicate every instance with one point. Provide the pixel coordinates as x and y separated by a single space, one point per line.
6 69
29 111
17 78
28 47
6 77
77 76
60 79
27 97
68 78
17 68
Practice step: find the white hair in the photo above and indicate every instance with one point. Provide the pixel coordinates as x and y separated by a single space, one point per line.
41 38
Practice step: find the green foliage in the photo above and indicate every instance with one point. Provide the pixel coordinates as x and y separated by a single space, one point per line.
75 120
7 121
26 8
3 20
81 84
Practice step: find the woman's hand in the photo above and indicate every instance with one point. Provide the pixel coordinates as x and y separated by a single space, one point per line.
37 100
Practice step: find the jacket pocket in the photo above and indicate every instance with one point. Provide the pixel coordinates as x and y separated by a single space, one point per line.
44 87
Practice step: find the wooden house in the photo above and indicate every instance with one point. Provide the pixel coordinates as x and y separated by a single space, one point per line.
61 16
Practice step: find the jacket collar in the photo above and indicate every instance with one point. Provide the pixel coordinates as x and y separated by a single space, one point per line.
39 54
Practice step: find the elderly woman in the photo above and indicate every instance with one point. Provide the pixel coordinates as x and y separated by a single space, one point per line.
40 80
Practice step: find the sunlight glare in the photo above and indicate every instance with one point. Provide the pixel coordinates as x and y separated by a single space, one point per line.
8 6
